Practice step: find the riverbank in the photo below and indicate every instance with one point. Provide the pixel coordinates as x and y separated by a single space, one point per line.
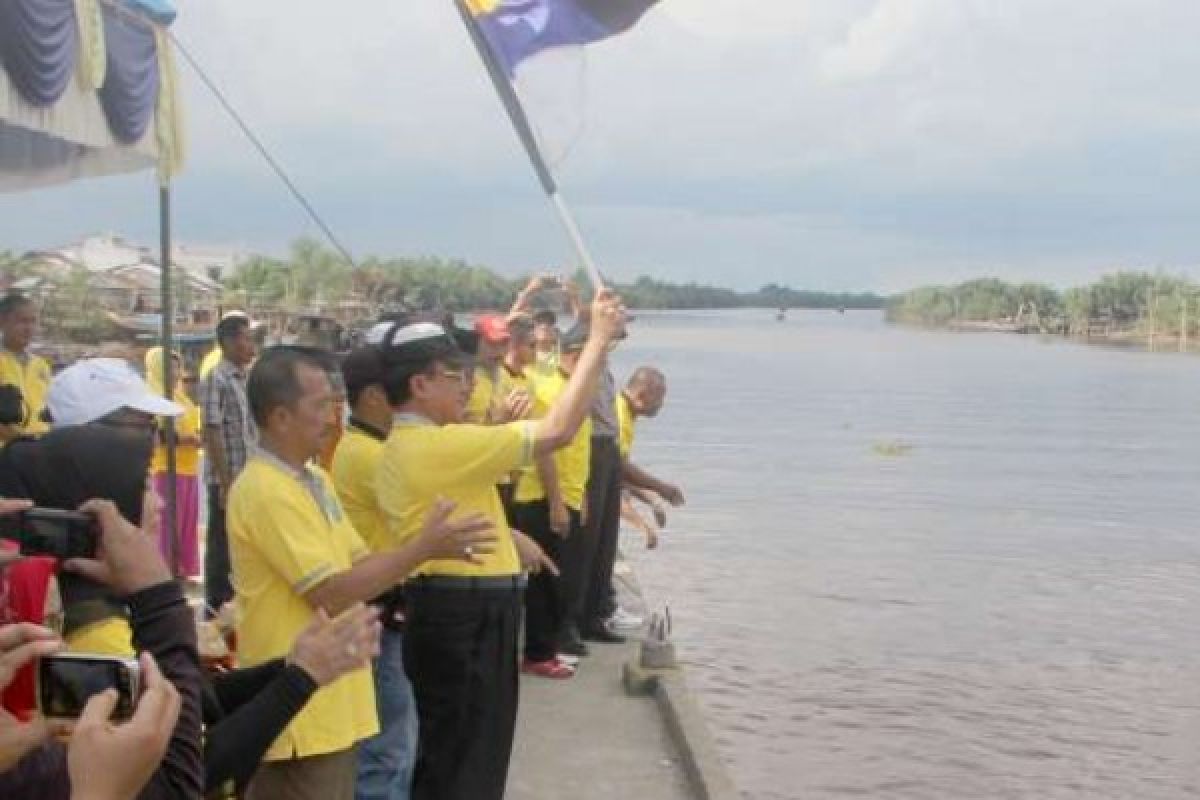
1126 339
615 731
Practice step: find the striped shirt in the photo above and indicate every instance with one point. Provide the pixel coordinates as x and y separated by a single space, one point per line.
224 405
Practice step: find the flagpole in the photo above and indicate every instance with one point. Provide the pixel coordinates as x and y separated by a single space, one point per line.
524 130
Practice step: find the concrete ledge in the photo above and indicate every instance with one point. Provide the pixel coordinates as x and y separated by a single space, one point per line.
687 728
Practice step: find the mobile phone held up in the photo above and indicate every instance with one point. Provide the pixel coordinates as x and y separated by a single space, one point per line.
56 533
66 681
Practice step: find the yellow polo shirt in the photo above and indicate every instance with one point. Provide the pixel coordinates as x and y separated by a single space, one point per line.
481 399
283 542
507 380
33 379
626 423
355 464
187 457
210 361
571 462
461 463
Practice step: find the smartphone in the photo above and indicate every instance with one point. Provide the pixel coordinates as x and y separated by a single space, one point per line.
56 533
66 681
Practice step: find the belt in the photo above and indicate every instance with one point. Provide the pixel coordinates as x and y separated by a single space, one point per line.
467 582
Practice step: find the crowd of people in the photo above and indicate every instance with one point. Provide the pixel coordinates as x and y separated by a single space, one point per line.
400 532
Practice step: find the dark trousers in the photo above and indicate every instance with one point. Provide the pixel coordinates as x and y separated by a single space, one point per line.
217 587
506 491
544 598
460 652
588 558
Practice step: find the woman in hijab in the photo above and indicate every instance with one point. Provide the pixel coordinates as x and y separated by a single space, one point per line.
187 462
64 469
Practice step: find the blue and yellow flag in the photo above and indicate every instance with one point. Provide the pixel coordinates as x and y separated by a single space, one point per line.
518 29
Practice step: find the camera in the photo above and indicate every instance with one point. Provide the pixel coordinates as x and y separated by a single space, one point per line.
66 681
12 405
53 532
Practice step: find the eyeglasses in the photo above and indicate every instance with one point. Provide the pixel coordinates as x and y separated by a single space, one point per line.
456 374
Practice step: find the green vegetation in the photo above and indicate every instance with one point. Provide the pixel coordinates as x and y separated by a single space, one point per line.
314 275
1130 304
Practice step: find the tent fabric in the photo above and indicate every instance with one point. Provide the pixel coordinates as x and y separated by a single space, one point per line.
39 45
160 12
130 88
93 55
88 88
64 142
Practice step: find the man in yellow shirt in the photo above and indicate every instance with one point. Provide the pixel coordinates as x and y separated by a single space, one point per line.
512 390
643 396
549 502
385 761
294 550
493 342
30 374
460 640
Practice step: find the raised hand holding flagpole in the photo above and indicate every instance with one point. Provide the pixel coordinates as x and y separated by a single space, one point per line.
553 23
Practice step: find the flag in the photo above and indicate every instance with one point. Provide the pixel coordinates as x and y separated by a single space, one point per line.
518 29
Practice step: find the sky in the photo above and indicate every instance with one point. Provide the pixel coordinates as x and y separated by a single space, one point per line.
828 144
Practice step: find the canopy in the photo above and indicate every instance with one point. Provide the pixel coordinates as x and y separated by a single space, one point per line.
87 88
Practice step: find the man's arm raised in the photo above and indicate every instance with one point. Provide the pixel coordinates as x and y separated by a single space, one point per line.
555 430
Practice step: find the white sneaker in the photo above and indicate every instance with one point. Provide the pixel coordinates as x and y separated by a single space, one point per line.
568 659
622 620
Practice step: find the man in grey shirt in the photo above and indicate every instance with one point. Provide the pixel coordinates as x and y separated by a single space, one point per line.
587 560
229 434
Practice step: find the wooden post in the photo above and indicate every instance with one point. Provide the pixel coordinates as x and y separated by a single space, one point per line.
1183 323
1153 303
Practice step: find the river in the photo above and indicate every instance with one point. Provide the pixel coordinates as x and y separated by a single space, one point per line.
925 564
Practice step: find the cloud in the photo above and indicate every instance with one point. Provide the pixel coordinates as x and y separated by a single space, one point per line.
850 143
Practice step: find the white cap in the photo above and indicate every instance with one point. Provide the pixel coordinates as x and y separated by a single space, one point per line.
236 314
379 332
95 387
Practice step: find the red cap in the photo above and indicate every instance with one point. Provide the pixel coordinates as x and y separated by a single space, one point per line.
493 328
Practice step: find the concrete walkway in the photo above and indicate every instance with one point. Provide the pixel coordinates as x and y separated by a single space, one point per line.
586 739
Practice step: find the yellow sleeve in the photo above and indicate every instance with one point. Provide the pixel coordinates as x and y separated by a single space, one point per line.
469 454
293 539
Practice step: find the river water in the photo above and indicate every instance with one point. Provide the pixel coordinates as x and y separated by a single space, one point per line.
929 565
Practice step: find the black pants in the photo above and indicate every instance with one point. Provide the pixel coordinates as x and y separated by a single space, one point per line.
217 587
588 558
507 490
460 652
545 606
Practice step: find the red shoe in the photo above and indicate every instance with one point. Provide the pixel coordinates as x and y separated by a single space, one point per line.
550 668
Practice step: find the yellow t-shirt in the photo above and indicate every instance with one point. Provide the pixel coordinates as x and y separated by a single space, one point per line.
187 457
507 380
481 399
210 361
626 424
283 542
355 464
571 462
33 379
461 463
110 637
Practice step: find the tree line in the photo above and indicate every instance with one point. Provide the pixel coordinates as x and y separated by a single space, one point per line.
313 275
1128 302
